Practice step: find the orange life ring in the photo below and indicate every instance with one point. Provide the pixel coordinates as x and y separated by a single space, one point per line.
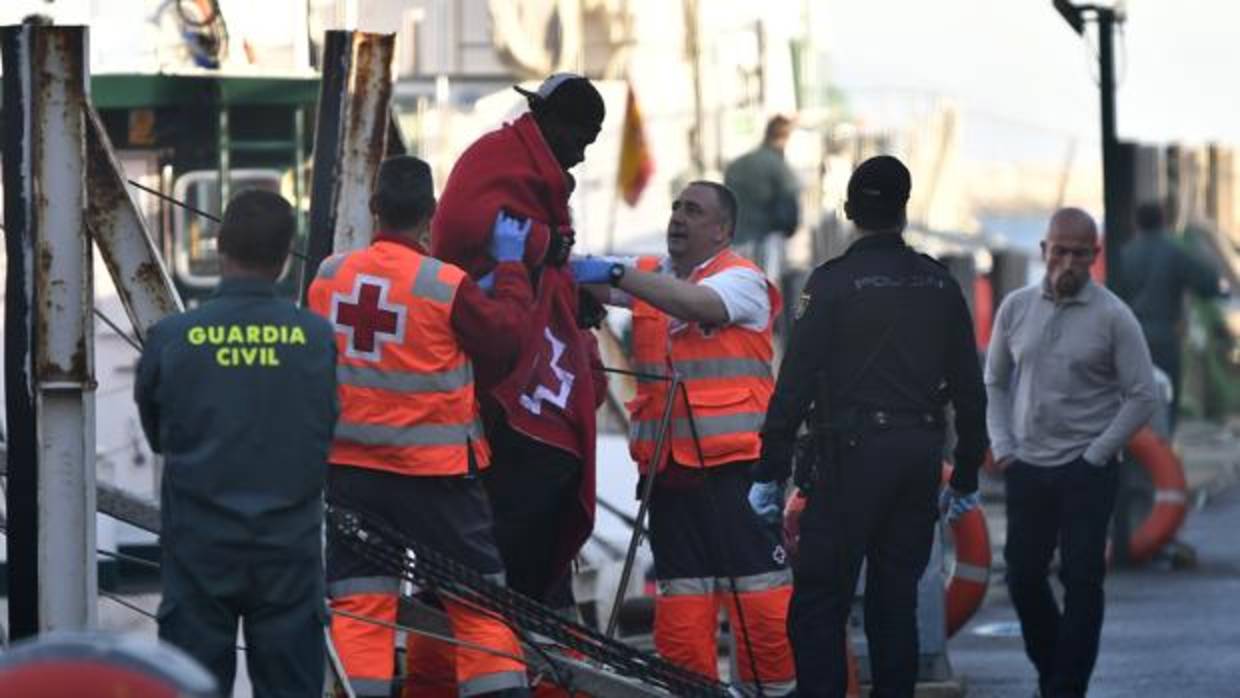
1170 495
966 588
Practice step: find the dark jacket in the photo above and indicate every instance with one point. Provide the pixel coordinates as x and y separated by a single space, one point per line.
239 395
880 286
1154 274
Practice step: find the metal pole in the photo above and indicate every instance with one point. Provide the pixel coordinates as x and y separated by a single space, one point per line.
21 428
660 440
120 232
1114 232
54 444
350 140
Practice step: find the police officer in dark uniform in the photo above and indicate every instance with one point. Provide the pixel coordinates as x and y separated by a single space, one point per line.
883 342
239 395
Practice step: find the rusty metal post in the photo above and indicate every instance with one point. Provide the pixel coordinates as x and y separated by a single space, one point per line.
53 446
119 231
350 141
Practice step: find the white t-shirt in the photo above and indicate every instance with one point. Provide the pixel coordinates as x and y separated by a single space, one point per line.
742 291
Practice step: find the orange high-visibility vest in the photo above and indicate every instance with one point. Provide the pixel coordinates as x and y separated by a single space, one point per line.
726 372
406 387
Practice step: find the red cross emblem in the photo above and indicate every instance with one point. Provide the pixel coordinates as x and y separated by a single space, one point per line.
366 317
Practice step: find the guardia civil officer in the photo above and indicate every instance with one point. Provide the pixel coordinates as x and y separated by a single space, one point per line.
239 395
884 341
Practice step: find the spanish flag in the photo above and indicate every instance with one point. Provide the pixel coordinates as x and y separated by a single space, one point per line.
636 162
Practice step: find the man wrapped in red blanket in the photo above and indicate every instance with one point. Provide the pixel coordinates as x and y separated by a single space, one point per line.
540 410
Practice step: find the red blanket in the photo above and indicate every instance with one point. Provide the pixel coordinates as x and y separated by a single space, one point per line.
550 393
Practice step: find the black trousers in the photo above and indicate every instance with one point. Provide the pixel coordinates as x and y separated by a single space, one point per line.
878 504
1068 507
279 596
531 487
701 525
448 514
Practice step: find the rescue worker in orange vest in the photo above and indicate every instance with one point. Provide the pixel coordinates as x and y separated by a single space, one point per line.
408 446
705 313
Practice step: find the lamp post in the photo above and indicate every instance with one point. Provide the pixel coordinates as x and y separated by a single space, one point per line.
1112 192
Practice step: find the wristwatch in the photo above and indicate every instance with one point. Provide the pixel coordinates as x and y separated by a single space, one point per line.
615 273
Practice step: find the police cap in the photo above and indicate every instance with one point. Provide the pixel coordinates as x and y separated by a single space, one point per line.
878 192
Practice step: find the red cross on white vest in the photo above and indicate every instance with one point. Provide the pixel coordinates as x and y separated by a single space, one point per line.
367 318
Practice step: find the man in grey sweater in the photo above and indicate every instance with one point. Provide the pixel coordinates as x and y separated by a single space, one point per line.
1069 381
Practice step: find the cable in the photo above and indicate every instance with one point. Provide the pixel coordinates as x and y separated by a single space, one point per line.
139 610
193 209
128 558
635 374
131 606
172 200
108 321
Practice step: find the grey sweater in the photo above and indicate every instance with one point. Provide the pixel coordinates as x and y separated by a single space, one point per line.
1066 379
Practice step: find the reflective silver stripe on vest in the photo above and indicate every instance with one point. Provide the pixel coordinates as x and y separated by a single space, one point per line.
738 423
405 381
490 683
698 586
421 435
328 267
367 688
427 283
690 369
772 688
352 586
651 369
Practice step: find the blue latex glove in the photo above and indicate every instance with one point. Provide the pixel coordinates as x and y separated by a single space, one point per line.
953 505
508 238
767 501
487 282
591 270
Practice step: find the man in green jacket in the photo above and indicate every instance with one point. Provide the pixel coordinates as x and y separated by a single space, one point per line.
239 395
1154 274
767 194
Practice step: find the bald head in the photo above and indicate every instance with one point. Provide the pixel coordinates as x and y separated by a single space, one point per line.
1073 223
1069 250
